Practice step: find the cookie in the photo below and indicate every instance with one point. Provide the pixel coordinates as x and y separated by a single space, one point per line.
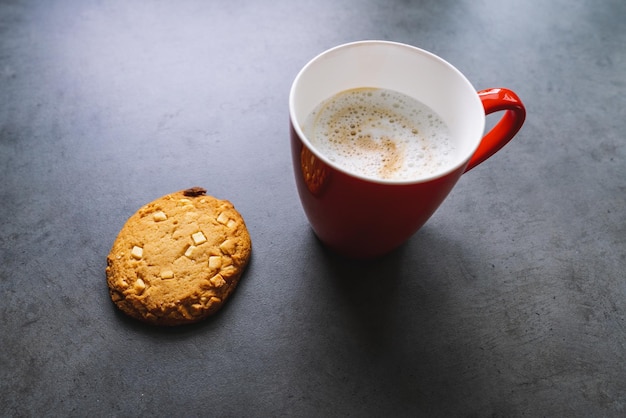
178 258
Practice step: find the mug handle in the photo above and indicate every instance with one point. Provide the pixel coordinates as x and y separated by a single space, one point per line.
495 100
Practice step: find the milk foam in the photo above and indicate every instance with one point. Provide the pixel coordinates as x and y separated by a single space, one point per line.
381 134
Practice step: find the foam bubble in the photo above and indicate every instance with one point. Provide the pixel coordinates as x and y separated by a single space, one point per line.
380 133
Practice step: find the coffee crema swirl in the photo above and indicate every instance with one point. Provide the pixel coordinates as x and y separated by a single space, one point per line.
380 133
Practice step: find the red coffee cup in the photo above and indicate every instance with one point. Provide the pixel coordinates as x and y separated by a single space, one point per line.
363 217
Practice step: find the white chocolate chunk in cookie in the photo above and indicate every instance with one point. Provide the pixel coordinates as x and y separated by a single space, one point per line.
222 218
190 250
228 246
167 274
140 286
225 220
215 262
137 253
159 216
217 280
198 238
228 271
197 308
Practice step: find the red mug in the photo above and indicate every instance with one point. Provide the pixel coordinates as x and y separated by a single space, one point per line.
362 217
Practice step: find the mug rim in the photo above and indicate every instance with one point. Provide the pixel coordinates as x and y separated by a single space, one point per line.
415 180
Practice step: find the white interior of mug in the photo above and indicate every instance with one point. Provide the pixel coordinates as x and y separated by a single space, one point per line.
400 67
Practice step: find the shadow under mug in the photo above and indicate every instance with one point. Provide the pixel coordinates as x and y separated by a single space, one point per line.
361 217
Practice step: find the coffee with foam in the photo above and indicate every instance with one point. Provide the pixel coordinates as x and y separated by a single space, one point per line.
380 134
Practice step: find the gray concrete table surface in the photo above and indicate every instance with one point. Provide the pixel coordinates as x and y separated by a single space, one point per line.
511 301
